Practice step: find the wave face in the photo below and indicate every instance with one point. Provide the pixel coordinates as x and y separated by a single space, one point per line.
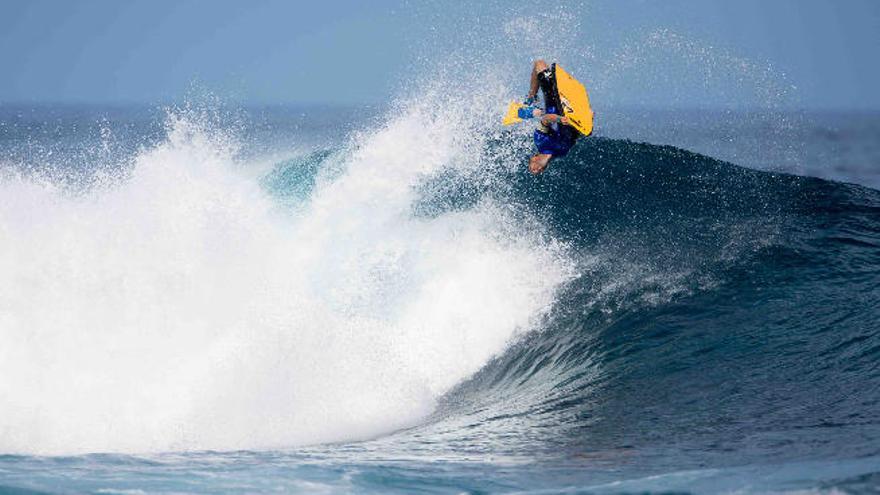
415 294
720 315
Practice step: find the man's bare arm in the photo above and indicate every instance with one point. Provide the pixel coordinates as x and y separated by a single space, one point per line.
538 67
552 117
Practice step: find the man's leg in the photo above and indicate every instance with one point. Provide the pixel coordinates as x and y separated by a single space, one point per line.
540 66
539 162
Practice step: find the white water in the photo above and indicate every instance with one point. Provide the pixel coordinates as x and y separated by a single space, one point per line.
177 309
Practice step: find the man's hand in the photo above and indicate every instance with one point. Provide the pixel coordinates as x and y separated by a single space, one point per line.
552 117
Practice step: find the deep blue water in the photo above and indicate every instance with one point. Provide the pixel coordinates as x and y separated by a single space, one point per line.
640 318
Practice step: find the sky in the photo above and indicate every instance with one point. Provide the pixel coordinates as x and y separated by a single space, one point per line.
675 53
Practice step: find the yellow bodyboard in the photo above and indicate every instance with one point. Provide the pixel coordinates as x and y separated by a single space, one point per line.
575 101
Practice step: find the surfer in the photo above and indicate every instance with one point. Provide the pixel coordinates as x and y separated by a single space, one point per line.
554 137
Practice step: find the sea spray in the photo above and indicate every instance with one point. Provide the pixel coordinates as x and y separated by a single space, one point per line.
176 309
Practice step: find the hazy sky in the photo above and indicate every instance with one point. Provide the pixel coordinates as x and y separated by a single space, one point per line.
820 54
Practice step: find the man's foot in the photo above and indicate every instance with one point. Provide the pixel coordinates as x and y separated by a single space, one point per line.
539 162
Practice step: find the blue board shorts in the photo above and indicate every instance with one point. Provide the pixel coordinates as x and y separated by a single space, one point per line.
556 142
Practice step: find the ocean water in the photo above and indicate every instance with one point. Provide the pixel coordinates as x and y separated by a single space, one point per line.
221 299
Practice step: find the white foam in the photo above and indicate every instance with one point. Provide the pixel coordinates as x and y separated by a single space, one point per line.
177 310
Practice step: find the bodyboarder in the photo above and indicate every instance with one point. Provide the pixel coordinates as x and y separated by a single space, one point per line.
553 137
